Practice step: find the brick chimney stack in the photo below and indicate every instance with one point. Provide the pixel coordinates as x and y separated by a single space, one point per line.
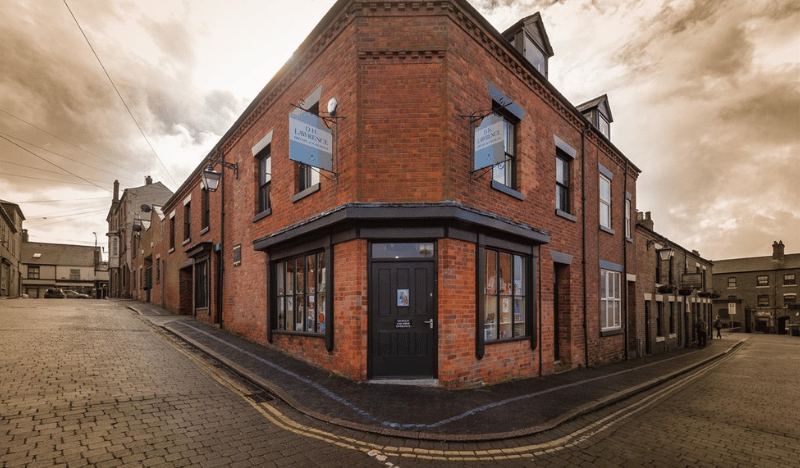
116 191
148 180
645 220
777 250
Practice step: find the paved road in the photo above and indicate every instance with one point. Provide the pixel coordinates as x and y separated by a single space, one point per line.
92 383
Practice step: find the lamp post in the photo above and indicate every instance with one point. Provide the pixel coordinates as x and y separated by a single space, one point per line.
211 180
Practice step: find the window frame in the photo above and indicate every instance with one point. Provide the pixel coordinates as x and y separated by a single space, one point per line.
605 217
508 168
264 163
787 302
287 294
790 279
34 272
187 221
205 200
563 187
517 290
762 281
762 301
172 226
732 282
606 299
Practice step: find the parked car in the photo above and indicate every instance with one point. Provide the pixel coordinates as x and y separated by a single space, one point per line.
56 293
70 294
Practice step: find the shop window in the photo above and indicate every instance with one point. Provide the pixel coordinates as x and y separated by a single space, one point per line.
300 294
610 300
505 296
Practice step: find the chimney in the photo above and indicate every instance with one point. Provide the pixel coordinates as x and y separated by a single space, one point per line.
645 220
777 251
116 191
148 180
24 235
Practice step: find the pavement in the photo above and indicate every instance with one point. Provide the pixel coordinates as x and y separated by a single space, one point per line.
496 412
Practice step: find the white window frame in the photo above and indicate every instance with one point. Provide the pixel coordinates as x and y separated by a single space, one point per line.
605 216
610 300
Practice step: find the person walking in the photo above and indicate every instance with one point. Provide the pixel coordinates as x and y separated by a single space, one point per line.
718 326
702 334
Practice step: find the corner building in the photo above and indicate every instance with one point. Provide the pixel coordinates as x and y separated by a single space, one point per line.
404 261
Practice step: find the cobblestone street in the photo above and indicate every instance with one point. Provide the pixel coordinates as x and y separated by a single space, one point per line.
90 383
87 383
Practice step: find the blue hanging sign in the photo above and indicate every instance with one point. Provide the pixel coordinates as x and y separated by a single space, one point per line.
310 141
490 142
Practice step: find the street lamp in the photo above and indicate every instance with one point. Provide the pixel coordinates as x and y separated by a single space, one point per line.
211 178
211 181
665 253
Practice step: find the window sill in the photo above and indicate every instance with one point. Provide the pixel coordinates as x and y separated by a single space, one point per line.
566 215
205 230
262 215
507 340
629 239
297 333
171 249
607 230
660 339
186 241
614 332
507 190
299 196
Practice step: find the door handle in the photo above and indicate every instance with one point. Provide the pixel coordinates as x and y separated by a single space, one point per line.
429 322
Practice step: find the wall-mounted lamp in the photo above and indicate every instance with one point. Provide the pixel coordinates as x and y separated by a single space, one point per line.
664 253
211 177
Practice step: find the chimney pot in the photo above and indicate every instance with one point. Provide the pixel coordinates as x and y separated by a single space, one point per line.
148 180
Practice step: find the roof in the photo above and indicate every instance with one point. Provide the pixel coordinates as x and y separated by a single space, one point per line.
156 192
534 25
600 103
57 254
6 207
738 265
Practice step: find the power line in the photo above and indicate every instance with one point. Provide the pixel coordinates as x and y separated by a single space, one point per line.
118 93
62 200
59 181
68 218
57 154
54 164
57 137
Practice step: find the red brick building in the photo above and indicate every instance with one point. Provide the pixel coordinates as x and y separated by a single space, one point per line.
412 257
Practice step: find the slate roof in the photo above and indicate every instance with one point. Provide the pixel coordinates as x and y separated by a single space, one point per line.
57 254
739 265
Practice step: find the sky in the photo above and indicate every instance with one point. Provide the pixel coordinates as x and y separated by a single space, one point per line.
705 97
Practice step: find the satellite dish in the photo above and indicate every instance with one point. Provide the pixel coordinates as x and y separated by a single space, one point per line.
332 104
145 208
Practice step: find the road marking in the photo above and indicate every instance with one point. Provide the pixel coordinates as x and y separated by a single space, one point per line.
382 453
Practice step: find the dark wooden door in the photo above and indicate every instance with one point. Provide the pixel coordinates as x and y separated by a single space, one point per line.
403 325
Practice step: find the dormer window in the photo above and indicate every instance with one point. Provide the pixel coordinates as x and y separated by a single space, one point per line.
529 37
598 112
534 54
603 126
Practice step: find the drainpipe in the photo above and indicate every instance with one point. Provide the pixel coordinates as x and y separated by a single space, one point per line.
220 256
625 265
583 240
